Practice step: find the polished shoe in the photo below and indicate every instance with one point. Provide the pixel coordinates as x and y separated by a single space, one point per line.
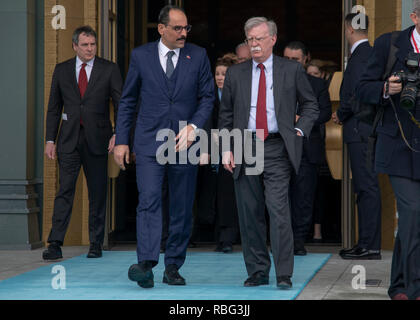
53 252
219 248
299 249
227 248
257 279
172 277
362 254
400 296
346 251
142 273
284 282
192 244
317 240
95 250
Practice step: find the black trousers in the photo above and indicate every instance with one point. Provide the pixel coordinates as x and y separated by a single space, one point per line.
253 192
95 168
366 186
405 270
302 197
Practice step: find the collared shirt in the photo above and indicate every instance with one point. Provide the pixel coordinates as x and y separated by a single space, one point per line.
88 68
163 51
271 114
357 43
417 38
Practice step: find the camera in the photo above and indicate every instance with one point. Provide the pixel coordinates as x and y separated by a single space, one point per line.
410 81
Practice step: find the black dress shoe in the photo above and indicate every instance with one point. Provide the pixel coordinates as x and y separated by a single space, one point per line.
284 282
172 277
95 250
299 248
219 248
346 251
162 247
142 273
227 248
362 254
53 252
257 279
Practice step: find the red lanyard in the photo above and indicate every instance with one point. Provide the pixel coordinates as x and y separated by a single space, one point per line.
414 41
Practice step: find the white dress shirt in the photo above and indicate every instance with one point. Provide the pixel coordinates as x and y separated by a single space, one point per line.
163 51
357 43
88 68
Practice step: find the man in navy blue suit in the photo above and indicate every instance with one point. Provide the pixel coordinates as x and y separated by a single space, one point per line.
355 135
393 155
303 184
173 81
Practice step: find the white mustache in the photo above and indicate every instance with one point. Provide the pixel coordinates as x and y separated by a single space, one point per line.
255 49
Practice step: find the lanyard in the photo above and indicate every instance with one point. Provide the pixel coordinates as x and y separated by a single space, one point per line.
414 41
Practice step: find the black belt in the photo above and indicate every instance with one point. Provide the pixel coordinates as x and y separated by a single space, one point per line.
274 135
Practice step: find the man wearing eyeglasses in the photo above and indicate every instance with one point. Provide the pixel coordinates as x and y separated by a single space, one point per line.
262 94
173 82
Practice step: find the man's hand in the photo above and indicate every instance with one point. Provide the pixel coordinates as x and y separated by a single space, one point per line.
111 144
50 150
228 161
395 86
121 153
204 159
335 119
185 138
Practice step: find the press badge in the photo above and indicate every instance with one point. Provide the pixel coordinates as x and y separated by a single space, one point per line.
64 116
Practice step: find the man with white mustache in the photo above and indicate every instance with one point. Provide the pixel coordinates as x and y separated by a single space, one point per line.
262 94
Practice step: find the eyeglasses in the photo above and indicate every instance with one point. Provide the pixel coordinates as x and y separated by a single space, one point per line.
258 40
178 29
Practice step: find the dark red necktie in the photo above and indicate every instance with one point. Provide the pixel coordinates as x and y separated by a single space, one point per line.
83 80
83 83
261 121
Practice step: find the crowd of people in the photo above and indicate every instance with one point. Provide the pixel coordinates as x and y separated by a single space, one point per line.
171 81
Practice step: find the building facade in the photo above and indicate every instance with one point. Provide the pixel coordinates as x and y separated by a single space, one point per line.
36 35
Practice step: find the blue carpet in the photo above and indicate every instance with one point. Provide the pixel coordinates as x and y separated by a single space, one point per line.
209 276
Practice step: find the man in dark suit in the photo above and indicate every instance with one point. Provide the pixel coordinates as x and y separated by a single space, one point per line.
261 96
393 155
174 83
303 185
80 93
355 134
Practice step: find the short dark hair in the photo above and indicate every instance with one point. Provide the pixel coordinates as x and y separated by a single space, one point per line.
349 19
298 45
88 30
164 13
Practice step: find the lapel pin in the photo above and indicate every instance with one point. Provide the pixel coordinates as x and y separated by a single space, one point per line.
188 57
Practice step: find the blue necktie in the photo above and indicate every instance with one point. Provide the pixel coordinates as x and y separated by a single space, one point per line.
169 64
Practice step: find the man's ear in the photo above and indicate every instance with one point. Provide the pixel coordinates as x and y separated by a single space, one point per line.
161 27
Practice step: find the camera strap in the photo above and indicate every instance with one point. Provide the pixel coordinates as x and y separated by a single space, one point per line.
400 126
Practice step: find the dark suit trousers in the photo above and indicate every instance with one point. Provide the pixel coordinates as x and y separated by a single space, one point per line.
405 271
181 184
366 186
95 168
302 197
253 192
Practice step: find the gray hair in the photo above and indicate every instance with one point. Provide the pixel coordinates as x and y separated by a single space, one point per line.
88 30
416 6
256 21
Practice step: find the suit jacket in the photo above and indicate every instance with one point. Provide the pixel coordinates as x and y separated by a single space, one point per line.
314 146
290 86
353 129
66 105
192 100
392 156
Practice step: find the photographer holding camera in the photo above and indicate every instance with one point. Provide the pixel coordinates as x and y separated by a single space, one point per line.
398 142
